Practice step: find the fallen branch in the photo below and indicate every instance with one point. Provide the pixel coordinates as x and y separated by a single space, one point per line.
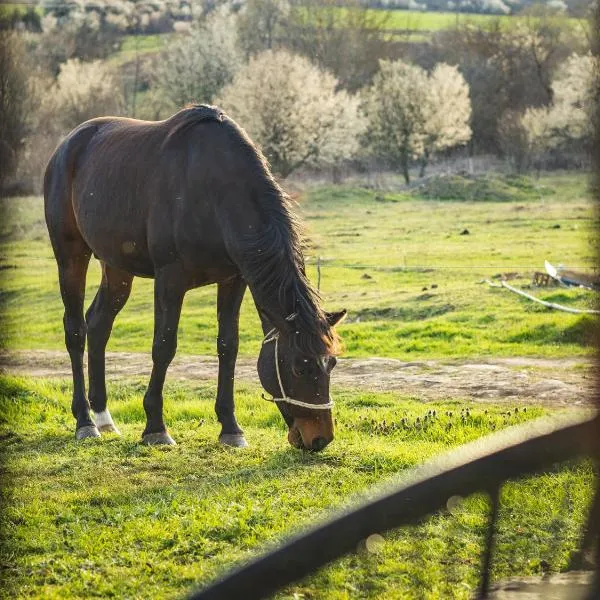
576 311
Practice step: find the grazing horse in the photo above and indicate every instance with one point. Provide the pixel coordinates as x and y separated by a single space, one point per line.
189 201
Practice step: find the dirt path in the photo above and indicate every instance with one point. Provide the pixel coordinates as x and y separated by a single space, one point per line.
552 382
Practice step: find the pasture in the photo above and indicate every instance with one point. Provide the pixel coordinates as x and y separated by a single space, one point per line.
379 251
112 518
431 21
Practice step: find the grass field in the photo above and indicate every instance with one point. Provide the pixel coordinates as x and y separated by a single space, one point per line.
379 252
112 518
429 21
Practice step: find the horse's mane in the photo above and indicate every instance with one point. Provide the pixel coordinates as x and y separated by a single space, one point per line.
275 264
274 260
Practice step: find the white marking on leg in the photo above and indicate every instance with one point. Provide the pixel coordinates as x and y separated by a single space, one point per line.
104 422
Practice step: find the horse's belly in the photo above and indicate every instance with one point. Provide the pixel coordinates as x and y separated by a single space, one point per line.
113 237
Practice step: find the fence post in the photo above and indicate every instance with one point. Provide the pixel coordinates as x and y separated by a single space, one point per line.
318 273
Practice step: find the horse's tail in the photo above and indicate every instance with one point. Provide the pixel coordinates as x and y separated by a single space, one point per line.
58 179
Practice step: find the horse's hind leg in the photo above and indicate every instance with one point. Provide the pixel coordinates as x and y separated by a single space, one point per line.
110 299
73 256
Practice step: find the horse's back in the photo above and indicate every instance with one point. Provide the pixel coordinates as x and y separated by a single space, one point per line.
144 193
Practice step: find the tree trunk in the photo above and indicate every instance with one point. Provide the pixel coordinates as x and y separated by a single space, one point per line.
336 174
405 170
424 163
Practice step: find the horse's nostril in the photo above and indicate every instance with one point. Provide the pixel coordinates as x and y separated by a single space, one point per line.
319 443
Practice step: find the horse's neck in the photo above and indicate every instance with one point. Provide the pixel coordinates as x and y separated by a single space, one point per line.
271 312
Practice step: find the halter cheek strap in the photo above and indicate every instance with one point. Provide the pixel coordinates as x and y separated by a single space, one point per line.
273 336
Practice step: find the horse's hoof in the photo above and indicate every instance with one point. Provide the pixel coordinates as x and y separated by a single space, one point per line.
87 431
105 423
236 440
158 439
110 428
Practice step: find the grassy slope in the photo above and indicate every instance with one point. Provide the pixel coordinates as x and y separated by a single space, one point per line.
417 23
114 519
389 314
411 20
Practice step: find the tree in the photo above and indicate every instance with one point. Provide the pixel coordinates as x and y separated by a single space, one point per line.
506 68
261 25
573 106
75 29
291 109
513 139
567 124
448 112
348 42
396 114
194 67
412 115
13 105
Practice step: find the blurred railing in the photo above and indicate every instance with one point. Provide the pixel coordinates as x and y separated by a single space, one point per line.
481 466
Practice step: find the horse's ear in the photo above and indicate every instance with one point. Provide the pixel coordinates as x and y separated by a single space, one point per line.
333 318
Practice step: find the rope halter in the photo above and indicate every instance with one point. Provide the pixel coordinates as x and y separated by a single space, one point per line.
273 336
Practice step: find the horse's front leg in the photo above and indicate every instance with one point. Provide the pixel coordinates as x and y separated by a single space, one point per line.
229 301
169 290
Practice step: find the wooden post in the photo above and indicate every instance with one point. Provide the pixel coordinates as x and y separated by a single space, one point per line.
318 273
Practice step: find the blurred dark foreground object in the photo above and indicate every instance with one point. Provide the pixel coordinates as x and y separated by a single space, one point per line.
480 466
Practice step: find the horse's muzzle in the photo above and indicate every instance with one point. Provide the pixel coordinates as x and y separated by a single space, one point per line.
316 443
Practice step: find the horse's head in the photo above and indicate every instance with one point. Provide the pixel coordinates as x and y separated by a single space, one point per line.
299 383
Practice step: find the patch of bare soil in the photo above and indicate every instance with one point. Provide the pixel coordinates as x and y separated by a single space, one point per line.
575 585
551 382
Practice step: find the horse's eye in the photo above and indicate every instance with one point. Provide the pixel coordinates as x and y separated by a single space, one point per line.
299 367
331 363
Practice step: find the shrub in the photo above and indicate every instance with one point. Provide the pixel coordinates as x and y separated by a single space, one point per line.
82 90
13 102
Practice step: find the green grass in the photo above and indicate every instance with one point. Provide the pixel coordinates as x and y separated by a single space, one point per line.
429 21
379 251
112 518
10 8
419 25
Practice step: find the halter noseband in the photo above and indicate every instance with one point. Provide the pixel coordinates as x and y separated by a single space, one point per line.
273 336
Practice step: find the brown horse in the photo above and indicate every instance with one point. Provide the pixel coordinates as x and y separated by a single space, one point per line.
188 201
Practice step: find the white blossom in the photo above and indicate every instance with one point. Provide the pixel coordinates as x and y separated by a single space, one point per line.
195 66
569 117
412 114
292 110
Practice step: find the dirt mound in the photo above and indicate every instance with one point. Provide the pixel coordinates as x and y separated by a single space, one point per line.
480 188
